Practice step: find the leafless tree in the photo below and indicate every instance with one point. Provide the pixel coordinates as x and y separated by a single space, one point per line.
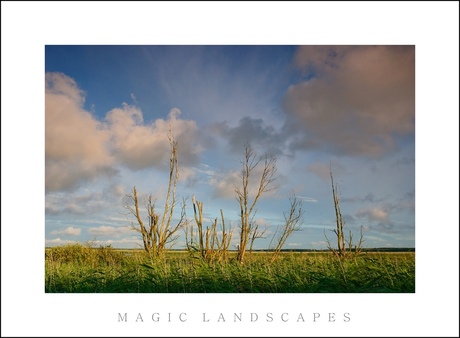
341 247
247 211
255 235
211 246
292 222
341 250
159 231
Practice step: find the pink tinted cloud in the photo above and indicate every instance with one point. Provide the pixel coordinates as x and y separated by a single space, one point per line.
140 145
75 142
358 99
79 148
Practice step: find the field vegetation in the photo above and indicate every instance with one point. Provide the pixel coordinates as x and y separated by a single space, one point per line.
81 268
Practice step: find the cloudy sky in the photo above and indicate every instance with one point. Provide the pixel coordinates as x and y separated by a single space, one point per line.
351 108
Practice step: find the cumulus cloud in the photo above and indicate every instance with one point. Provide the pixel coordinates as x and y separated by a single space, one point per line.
138 145
79 148
355 100
69 231
75 142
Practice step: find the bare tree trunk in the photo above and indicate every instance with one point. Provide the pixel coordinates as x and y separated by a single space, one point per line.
341 251
211 248
160 233
341 247
247 210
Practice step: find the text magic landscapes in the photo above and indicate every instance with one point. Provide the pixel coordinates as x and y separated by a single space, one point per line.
251 317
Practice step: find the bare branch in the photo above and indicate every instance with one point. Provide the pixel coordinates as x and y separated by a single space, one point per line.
159 232
247 207
292 222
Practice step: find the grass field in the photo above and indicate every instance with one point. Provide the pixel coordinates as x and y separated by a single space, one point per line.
81 269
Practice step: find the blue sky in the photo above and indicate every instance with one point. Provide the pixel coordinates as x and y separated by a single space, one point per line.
109 107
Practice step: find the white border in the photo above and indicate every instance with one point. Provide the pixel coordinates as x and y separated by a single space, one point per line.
28 26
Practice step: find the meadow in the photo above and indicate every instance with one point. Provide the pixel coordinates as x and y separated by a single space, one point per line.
78 268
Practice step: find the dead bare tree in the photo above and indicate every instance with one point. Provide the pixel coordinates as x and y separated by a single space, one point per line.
341 247
247 211
292 222
211 246
341 250
159 232
357 247
255 235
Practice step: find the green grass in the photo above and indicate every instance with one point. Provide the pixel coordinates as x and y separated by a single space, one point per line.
80 269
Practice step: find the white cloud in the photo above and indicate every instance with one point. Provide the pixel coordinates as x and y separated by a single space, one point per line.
138 145
319 244
75 142
307 199
70 231
58 241
104 230
80 148
262 222
129 242
83 202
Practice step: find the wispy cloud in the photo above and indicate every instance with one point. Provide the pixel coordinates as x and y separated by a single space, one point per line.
223 81
69 231
128 242
308 199
104 230
295 245
58 241
370 198
82 203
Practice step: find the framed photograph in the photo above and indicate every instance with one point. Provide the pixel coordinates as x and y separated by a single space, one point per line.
180 172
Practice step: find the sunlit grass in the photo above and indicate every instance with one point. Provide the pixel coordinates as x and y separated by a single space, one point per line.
77 268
